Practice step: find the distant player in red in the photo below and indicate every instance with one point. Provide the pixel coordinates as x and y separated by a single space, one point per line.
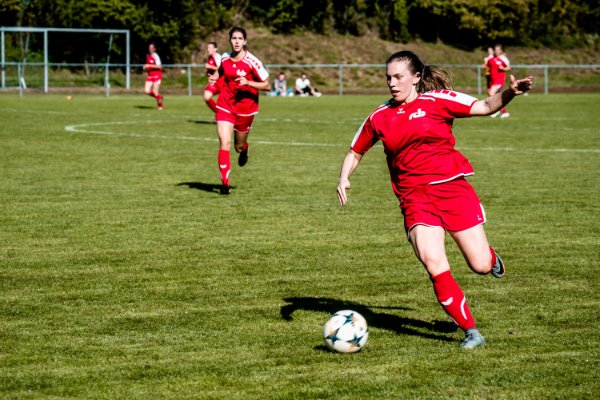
243 76
212 65
428 174
488 78
154 68
498 66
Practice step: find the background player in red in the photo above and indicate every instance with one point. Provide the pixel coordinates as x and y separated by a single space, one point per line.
243 76
498 65
488 78
428 173
213 62
154 68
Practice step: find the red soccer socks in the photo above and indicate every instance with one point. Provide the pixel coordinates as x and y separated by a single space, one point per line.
453 300
224 166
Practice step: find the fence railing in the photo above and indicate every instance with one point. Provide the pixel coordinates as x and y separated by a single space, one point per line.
466 75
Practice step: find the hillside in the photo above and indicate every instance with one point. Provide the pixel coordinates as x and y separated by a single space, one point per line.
310 48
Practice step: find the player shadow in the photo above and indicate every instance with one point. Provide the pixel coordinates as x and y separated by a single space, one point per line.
206 187
145 107
202 122
436 330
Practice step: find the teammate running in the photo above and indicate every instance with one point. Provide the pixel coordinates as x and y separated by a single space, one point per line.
428 174
243 76
154 68
498 66
212 65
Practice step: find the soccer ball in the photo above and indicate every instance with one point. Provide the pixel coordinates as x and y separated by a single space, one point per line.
346 332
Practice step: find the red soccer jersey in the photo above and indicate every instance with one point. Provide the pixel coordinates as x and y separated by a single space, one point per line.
214 61
497 76
154 59
417 139
235 98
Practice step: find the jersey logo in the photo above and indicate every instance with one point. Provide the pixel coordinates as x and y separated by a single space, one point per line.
241 72
417 114
401 111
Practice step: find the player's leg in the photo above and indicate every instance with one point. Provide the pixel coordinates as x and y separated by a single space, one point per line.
492 90
242 130
225 133
428 244
208 98
148 88
480 256
156 91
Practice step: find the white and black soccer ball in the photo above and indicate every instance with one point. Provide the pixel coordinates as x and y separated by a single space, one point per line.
346 332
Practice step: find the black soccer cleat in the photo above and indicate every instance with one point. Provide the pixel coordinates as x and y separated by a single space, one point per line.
243 159
225 189
498 268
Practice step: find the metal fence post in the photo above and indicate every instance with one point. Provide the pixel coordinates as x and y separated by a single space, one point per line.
20 77
479 79
189 73
3 58
127 61
545 79
340 80
46 61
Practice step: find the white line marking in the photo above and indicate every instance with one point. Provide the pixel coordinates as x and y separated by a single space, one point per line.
82 128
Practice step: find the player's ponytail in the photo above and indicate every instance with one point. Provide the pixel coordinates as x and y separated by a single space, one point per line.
432 77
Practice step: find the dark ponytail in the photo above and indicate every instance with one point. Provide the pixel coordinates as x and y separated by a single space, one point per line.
432 77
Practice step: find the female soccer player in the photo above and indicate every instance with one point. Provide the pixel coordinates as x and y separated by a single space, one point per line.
213 62
243 76
154 68
498 65
428 173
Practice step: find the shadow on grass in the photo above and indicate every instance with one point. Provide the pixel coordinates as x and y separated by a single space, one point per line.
202 122
207 187
145 107
406 326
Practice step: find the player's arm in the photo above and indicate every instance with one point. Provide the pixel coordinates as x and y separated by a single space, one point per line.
494 103
211 67
350 163
265 85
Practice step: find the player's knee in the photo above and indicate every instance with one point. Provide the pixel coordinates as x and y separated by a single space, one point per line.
434 264
481 265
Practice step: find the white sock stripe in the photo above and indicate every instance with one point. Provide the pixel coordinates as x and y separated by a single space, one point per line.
462 307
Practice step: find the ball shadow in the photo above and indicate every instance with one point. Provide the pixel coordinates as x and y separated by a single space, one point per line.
436 330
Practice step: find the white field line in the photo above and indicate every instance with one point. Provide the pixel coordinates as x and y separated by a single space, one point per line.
88 128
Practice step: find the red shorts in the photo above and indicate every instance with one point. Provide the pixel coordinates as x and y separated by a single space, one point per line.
452 205
154 78
241 124
214 89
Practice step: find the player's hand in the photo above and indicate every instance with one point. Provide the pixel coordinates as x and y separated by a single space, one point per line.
343 185
521 86
145 67
242 81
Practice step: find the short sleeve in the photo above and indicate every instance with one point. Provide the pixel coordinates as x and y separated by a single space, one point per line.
156 59
365 137
452 104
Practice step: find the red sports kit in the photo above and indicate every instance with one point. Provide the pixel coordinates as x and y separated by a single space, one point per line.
426 170
239 103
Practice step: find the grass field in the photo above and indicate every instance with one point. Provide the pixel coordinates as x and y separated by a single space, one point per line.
125 275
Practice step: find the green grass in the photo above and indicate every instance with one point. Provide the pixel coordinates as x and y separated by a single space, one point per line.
123 275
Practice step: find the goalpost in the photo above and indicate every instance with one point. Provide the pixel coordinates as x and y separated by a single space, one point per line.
46 64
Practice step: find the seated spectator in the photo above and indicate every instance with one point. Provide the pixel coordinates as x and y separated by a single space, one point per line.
280 86
304 88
